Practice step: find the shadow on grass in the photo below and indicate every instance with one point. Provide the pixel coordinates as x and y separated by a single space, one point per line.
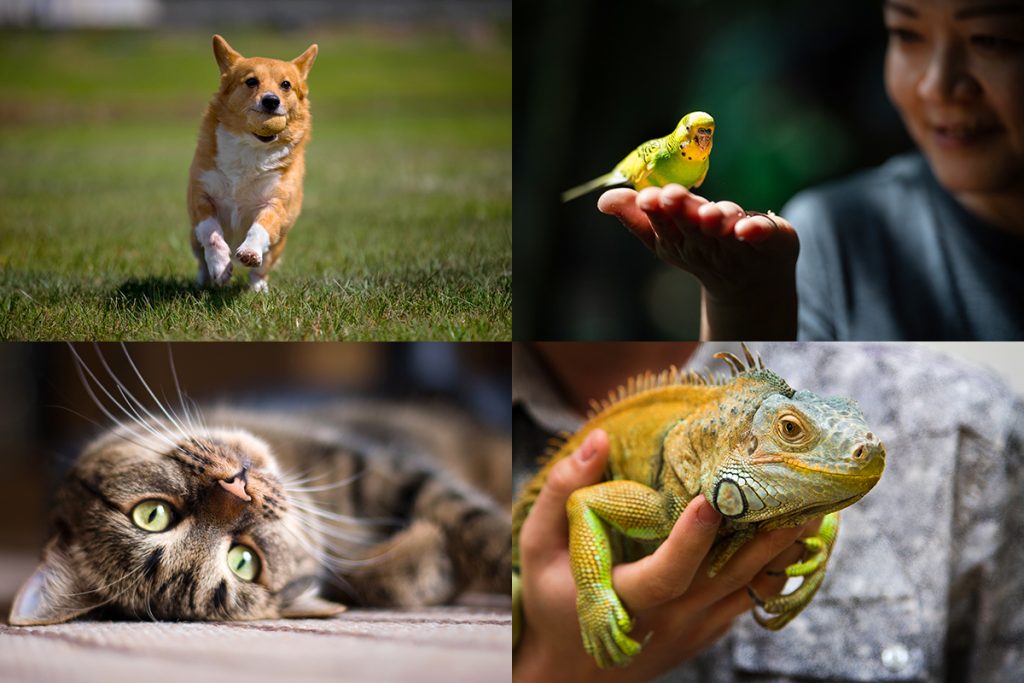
150 292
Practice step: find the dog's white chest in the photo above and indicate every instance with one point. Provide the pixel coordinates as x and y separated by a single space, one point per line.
243 178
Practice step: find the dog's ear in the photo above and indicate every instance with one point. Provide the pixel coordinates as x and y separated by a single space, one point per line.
304 62
225 54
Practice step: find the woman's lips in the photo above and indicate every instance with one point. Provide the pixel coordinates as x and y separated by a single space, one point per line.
962 135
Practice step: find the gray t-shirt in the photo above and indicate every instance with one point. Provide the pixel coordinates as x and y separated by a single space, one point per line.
888 254
925 583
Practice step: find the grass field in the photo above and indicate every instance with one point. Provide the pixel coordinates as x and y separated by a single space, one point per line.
406 226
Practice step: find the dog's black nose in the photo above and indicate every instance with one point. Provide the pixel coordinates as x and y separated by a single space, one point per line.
270 102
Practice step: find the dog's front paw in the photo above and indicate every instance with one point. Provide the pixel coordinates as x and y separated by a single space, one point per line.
249 257
218 259
224 276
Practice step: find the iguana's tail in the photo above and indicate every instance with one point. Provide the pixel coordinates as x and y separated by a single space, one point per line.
607 180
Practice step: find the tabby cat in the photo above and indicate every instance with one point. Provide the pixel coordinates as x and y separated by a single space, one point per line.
248 514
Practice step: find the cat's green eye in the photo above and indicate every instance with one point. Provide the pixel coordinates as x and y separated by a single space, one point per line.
152 515
244 562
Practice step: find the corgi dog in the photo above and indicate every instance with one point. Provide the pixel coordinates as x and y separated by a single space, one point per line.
245 184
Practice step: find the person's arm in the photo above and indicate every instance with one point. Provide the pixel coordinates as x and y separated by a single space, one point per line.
668 593
746 263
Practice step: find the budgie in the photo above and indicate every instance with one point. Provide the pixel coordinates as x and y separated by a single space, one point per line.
680 157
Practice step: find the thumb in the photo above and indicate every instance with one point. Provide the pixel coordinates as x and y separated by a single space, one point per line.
621 203
546 529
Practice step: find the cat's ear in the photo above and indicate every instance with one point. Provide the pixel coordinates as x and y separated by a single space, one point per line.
53 594
309 605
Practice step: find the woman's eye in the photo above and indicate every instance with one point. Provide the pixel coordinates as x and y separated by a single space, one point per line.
243 562
252 82
902 35
996 44
152 515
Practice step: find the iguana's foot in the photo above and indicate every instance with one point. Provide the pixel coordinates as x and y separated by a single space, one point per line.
812 569
604 624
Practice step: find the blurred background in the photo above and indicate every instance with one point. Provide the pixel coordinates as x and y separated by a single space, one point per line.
797 94
47 416
406 224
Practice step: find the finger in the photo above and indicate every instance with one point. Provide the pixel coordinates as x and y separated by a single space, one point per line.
547 528
649 200
712 219
682 206
668 572
622 203
757 228
731 213
744 566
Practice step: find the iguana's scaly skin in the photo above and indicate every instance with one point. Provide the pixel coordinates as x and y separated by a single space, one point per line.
764 455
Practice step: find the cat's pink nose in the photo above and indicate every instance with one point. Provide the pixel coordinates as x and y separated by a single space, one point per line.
236 486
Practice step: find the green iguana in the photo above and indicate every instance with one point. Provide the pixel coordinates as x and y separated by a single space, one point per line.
764 455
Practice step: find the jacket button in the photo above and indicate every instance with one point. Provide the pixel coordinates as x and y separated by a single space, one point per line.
895 657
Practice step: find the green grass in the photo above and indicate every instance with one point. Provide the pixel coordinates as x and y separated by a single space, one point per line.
406 225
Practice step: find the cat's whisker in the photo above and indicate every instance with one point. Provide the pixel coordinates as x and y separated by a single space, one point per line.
145 385
194 420
358 536
328 487
345 519
85 373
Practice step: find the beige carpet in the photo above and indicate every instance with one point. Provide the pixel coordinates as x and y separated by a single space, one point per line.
466 642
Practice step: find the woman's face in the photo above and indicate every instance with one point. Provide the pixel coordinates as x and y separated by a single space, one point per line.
955 71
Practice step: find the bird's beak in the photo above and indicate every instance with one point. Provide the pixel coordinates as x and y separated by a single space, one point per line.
704 136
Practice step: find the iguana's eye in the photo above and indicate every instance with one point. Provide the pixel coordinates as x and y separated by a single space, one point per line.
153 515
790 428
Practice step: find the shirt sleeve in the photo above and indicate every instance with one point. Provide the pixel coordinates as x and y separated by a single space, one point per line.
815 267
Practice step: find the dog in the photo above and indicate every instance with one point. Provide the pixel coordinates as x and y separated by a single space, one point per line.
245 183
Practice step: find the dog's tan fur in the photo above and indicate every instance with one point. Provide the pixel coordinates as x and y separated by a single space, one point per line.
244 192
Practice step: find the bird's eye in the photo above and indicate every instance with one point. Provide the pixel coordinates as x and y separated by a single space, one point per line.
286 85
153 515
244 562
252 82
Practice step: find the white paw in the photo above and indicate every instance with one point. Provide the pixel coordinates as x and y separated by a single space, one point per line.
249 257
257 242
216 253
257 283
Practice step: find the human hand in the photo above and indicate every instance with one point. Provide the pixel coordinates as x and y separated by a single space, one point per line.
746 262
668 593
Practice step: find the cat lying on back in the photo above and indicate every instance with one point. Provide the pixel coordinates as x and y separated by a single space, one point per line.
264 514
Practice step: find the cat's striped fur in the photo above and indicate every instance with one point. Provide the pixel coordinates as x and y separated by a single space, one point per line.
352 503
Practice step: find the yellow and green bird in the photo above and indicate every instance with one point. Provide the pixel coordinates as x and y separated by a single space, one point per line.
681 157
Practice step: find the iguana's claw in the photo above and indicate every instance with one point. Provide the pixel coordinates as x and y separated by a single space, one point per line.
604 624
788 606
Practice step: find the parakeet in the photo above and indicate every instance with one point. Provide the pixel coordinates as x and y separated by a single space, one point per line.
679 157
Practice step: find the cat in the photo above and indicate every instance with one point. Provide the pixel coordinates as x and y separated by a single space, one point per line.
240 514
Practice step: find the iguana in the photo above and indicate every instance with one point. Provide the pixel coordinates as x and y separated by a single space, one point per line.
764 455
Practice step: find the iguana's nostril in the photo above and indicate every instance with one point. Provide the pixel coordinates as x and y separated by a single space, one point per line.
858 454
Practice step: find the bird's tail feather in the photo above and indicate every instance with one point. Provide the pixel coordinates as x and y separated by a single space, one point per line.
607 180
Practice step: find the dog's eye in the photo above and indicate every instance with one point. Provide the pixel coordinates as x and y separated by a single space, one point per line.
252 82
286 85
